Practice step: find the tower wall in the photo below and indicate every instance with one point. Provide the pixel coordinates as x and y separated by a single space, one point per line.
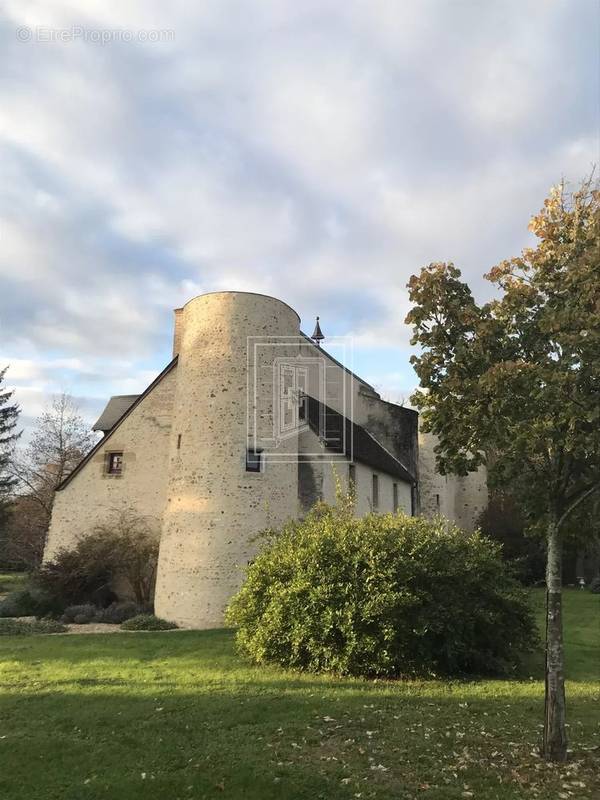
215 507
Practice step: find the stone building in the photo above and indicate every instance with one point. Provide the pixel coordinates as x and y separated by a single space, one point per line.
249 425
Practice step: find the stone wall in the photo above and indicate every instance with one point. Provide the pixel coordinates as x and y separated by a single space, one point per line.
214 507
185 445
92 495
459 499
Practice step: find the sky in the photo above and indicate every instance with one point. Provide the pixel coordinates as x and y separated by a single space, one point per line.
321 152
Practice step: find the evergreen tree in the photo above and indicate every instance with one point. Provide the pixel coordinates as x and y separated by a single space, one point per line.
9 415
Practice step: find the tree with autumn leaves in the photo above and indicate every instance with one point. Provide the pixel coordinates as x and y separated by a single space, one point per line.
515 384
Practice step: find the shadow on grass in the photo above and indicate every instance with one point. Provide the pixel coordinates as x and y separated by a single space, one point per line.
215 650
265 739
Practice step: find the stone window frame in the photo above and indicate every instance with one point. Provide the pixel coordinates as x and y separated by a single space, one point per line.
109 471
255 463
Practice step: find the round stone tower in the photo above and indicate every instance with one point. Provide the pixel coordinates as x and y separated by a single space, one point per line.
224 395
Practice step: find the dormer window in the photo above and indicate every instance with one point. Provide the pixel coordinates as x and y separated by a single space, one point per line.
114 464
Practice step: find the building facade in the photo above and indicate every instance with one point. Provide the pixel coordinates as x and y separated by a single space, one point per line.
249 425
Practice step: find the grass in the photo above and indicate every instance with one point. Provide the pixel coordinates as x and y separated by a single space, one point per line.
10 581
179 715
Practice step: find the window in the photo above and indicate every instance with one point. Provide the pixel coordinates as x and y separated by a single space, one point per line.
351 477
115 463
253 460
437 502
302 404
178 441
375 492
395 491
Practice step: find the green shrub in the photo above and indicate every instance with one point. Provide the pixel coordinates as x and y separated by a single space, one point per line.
30 602
80 614
116 613
595 585
20 627
147 622
79 576
123 547
384 595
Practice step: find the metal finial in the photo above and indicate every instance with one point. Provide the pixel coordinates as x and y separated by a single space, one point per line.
317 336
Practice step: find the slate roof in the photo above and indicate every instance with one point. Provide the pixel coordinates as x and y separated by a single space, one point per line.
357 444
113 411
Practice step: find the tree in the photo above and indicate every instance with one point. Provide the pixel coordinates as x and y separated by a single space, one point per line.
515 384
135 543
9 415
59 441
122 549
22 541
502 521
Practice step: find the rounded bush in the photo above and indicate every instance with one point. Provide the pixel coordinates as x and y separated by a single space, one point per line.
116 613
147 622
30 602
595 585
20 627
385 595
80 614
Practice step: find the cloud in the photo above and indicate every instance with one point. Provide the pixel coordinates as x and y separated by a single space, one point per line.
316 153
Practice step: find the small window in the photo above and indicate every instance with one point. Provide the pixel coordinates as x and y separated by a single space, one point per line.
351 477
115 463
437 502
302 403
253 460
375 492
178 441
395 491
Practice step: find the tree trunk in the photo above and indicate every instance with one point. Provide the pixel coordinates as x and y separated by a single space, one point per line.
555 733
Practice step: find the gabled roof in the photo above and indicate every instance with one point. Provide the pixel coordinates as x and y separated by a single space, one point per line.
118 422
339 363
341 435
113 411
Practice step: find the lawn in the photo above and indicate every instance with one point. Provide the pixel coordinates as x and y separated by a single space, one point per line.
10 581
179 715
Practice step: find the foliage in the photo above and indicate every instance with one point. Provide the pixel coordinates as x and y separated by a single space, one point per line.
29 602
147 622
9 581
515 384
9 415
24 536
20 627
72 703
60 439
125 547
80 615
135 544
595 585
502 522
384 595
80 575
116 613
